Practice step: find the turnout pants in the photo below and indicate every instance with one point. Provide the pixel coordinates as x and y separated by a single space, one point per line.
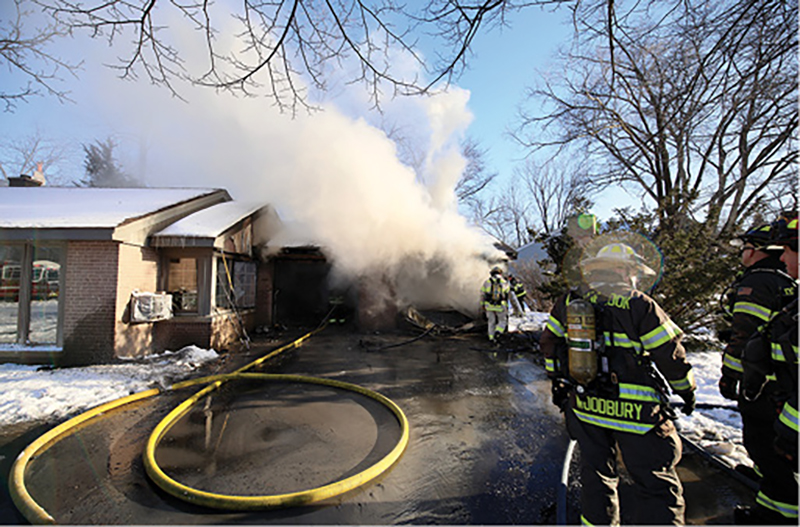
498 320
515 305
650 459
778 487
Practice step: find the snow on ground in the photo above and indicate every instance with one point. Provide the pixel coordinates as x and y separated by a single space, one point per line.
31 393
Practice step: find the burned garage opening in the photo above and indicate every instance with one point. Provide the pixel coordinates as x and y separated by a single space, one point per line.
301 295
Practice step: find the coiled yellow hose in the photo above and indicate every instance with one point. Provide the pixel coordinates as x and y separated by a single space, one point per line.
34 513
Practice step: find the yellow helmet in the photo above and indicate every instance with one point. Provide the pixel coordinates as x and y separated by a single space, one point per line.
616 255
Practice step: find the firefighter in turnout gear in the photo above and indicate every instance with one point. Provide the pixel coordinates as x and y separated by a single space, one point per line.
494 301
613 391
517 295
771 353
761 291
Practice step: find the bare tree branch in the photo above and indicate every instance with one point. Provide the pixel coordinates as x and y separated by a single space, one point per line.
697 110
24 48
279 47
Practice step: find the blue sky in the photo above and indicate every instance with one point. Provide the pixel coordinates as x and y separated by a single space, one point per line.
505 61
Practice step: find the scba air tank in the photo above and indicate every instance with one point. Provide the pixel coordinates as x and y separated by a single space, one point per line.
581 341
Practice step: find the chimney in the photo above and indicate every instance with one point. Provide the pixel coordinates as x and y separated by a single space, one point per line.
39 175
24 180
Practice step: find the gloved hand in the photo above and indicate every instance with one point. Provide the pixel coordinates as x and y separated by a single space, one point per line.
560 391
729 387
688 402
785 449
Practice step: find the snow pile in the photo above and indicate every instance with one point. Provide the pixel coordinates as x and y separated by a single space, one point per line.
30 393
718 430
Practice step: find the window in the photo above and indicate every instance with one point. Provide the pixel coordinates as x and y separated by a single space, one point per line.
29 307
236 284
12 257
182 284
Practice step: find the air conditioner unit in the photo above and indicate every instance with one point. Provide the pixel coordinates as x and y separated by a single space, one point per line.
150 307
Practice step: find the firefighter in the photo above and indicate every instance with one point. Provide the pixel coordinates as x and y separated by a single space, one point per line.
613 398
516 296
494 301
336 308
772 352
759 293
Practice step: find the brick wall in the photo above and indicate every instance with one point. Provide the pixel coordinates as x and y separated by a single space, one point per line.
226 332
220 332
99 279
180 332
138 270
90 287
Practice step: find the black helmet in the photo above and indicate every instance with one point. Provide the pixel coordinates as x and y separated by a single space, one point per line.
496 270
784 231
759 237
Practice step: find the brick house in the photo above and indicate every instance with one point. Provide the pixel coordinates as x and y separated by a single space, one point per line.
83 268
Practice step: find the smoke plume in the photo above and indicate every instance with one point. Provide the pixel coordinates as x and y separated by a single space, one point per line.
335 179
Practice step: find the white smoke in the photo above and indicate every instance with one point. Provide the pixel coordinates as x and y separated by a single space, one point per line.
336 179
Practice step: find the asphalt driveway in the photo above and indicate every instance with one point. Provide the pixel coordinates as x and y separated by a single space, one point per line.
485 445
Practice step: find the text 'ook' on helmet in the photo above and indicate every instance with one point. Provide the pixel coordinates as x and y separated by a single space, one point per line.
616 256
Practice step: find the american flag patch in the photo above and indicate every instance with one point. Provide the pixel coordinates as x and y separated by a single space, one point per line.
744 291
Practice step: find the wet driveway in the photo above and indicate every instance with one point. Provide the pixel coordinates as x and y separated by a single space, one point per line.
485 444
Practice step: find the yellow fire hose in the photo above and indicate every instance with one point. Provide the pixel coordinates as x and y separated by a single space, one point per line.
232 502
34 513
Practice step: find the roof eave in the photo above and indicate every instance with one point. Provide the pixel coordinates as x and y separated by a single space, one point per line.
57 234
181 241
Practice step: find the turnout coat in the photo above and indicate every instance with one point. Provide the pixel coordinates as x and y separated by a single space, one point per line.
640 349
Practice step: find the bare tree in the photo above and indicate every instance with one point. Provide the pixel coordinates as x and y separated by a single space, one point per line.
24 155
506 215
489 215
698 108
517 215
476 177
556 191
537 199
24 49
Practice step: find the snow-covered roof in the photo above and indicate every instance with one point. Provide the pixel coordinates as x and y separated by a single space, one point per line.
211 222
75 208
531 251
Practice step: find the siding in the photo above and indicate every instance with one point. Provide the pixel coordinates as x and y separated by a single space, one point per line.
138 270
